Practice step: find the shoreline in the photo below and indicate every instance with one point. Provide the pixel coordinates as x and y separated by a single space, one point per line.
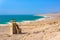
48 29
28 21
36 19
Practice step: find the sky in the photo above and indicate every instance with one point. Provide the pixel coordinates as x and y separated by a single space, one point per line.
8 7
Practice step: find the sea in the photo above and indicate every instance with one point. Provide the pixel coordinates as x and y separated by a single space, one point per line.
4 19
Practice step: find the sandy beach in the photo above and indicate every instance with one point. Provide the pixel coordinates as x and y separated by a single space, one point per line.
46 29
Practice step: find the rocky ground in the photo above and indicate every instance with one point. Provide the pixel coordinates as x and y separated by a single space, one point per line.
47 29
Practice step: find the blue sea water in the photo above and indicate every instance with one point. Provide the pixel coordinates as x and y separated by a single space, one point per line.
19 18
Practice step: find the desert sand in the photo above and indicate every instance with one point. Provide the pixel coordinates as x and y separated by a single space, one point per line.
47 29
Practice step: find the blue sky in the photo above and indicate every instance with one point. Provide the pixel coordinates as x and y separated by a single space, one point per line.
28 6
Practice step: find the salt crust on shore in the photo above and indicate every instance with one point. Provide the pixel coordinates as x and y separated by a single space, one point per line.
47 29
